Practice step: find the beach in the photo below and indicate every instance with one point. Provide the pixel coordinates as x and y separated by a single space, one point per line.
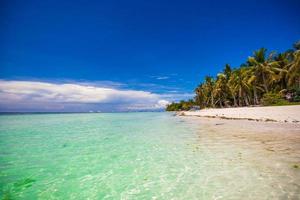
265 139
288 114
268 150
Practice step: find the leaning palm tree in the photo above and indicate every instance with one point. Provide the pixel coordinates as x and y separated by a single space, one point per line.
266 70
240 86
220 90
283 60
293 74
254 83
231 94
209 87
201 96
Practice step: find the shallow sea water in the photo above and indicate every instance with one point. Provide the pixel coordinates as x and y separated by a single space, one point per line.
133 156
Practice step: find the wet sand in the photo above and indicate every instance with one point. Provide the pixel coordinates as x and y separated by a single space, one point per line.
268 150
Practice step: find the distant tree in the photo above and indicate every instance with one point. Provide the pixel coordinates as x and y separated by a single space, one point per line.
180 106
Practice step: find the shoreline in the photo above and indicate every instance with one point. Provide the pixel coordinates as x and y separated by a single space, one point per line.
286 114
274 142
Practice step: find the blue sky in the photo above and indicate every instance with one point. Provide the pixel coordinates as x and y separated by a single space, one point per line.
163 48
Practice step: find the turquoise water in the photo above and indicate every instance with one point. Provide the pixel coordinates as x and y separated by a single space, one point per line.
119 156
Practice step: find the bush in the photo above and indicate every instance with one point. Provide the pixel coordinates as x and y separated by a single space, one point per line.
272 98
296 97
182 105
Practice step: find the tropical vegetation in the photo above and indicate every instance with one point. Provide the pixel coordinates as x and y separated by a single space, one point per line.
264 79
182 105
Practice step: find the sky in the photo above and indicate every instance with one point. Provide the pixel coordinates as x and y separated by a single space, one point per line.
109 56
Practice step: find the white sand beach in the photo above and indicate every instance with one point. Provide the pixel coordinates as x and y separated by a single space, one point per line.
269 151
289 114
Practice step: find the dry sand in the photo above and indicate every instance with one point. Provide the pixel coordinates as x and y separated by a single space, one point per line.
290 114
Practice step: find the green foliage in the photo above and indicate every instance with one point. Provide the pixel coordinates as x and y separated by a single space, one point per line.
272 98
296 97
182 105
258 81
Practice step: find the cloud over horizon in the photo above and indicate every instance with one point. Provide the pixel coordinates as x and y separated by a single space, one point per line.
81 97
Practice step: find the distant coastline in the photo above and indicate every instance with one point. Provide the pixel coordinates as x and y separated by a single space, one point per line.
24 113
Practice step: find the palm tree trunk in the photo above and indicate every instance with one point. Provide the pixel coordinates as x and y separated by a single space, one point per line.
240 97
220 103
264 83
226 104
246 100
234 100
255 98
249 99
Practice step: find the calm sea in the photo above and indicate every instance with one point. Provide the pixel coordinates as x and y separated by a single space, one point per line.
121 156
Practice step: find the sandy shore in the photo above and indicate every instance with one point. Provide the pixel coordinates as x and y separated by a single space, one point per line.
282 138
290 114
275 141
269 151
265 154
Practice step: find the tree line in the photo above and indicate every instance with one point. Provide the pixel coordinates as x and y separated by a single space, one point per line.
264 79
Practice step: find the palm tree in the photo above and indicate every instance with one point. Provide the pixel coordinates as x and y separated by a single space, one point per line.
230 88
221 90
227 71
283 59
252 81
239 84
208 88
249 83
293 74
201 97
265 69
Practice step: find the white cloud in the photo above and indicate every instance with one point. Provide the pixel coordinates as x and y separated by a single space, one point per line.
160 77
162 103
46 95
159 105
